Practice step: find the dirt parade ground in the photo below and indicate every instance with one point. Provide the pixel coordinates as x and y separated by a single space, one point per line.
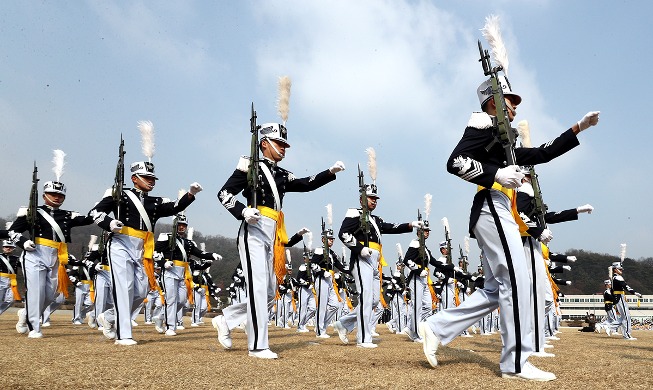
77 357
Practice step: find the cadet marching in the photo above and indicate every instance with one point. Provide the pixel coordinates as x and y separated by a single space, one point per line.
428 300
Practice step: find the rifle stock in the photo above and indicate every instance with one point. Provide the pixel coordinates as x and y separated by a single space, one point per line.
539 207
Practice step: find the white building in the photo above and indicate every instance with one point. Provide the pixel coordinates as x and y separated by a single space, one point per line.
577 306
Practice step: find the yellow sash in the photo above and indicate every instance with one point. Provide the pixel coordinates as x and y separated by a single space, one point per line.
63 283
335 286
434 296
14 285
280 241
456 293
207 295
148 251
512 195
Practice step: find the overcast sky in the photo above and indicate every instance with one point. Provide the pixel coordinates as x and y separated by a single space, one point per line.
399 76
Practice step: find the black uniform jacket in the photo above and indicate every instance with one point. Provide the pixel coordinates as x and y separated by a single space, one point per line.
473 162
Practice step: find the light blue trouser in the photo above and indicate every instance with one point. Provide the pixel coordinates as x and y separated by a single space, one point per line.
41 276
305 306
507 286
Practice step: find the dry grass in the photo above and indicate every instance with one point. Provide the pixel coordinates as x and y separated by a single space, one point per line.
80 358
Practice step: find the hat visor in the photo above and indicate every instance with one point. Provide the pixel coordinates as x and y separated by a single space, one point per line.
146 175
517 98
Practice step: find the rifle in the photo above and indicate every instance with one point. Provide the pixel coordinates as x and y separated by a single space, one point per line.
365 211
119 180
33 203
326 253
505 133
463 258
172 240
539 207
422 242
447 238
254 158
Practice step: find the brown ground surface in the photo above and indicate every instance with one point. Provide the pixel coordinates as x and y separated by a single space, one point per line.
77 357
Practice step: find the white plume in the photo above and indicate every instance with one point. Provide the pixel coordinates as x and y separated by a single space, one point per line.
147 138
189 233
445 223
8 225
525 133
309 240
92 241
203 246
466 245
371 162
58 163
283 102
623 252
288 256
344 253
427 205
492 33
329 209
400 252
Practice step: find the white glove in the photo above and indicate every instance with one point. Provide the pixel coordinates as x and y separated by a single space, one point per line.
116 225
251 215
568 282
168 264
571 259
509 177
72 279
98 267
157 256
29 246
195 188
586 208
567 267
303 231
639 295
457 269
217 257
411 264
326 274
337 167
417 224
439 275
315 267
460 285
590 119
546 236
423 273
366 252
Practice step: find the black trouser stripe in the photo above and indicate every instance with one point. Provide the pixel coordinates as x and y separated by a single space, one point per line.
535 309
513 282
252 301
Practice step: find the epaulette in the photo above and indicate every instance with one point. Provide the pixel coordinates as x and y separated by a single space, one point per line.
243 164
414 244
353 213
302 267
619 278
163 237
74 214
318 251
22 212
166 200
108 192
480 120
